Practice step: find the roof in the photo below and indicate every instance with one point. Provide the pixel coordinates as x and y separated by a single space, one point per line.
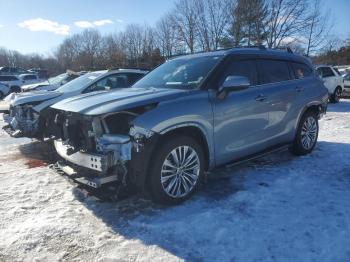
278 53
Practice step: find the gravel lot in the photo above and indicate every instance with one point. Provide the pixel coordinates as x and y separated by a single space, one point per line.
278 208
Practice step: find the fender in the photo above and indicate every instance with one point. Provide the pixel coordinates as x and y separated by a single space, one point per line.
321 109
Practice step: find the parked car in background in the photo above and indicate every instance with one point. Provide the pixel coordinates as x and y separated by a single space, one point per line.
42 73
52 83
27 112
6 70
12 81
4 90
343 69
30 79
346 91
188 116
332 80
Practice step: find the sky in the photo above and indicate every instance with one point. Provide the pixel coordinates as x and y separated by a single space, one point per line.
41 25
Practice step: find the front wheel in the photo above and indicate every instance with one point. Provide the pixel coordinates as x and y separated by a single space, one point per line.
307 134
177 170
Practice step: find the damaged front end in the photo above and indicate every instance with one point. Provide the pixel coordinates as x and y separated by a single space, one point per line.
22 120
102 147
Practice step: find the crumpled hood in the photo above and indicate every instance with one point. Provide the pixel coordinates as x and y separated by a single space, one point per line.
35 96
107 102
33 86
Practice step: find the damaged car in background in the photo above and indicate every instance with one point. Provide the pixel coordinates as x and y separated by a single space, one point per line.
27 113
188 116
52 83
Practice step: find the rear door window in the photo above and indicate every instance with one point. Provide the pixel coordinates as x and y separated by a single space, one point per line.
110 82
301 70
273 71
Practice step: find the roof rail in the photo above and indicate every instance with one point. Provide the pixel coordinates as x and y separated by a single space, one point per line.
261 47
286 48
131 68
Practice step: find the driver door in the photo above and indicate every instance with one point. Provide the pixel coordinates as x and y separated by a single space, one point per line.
240 117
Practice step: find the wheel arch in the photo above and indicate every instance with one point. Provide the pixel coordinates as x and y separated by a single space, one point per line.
313 106
191 130
140 164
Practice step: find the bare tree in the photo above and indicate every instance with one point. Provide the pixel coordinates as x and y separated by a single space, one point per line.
317 28
166 35
286 20
113 54
212 22
90 47
133 38
185 18
248 22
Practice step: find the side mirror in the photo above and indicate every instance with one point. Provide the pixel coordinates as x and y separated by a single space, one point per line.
234 83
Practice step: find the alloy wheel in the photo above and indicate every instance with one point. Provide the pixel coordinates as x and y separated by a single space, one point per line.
309 133
180 171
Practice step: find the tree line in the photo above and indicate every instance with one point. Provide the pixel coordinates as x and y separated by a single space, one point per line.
194 26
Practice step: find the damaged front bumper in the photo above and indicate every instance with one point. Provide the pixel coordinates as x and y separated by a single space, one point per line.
96 162
109 156
23 121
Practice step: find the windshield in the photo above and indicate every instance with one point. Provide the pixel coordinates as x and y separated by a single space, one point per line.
57 79
185 73
80 82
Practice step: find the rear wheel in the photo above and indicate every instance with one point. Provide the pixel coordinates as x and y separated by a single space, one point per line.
335 97
307 134
177 170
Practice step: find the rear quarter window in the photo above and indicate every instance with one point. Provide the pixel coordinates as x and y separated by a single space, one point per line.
273 71
301 70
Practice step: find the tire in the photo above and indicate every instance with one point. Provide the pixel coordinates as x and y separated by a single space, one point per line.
179 185
335 97
307 134
1 95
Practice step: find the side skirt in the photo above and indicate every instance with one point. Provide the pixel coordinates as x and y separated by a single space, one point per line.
260 154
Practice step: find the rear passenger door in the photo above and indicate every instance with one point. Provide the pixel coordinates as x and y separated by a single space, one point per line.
281 91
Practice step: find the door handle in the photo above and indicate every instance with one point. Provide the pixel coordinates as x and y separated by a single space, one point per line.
260 98
299 88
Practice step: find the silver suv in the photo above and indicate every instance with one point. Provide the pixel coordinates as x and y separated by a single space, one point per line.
188 116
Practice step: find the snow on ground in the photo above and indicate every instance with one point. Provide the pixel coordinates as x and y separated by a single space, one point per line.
278 208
